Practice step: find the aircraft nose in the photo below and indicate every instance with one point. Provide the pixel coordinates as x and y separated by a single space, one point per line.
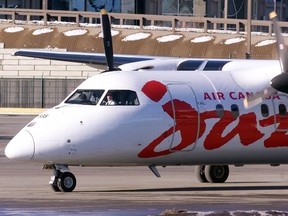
21 147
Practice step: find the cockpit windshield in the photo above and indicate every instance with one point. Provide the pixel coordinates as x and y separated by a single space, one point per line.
112 97
121 97
85 97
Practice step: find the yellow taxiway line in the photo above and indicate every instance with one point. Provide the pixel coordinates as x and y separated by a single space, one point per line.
21 111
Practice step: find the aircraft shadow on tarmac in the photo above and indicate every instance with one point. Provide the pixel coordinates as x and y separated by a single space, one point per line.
187 189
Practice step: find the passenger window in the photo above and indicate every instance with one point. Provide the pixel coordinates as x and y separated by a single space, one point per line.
219 110
235 110
85 97
121 97
282 110
265 110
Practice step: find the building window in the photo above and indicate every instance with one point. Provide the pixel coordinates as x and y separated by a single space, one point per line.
58 4
77 5
177 7
128 6
87 5
110 6
12 4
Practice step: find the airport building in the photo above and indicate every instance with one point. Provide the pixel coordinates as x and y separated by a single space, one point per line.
44 83
207 8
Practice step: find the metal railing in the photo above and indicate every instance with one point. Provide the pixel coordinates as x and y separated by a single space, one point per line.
175 23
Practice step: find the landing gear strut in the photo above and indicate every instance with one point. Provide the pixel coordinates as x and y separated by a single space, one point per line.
62 179
212 173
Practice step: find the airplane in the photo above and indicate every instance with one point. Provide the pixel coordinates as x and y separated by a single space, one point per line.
208 113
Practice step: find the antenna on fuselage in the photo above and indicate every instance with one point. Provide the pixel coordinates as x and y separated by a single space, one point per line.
107 40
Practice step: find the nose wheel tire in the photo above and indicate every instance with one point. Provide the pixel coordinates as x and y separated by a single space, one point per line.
55 188
66 182
216 173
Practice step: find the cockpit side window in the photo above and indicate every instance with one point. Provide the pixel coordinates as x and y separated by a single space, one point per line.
85 97
121 97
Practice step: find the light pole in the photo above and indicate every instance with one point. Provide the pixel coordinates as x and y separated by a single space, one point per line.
249 9
225 13
44 4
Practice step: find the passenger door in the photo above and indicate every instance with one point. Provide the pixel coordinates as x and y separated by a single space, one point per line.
184 111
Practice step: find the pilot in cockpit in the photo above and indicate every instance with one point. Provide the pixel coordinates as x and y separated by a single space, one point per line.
83 98
110 100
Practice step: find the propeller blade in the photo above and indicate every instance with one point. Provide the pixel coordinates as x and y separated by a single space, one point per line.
279 82
107 40
281 48
257 98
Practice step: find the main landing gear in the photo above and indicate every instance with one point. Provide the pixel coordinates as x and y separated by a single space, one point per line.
212 173
62 179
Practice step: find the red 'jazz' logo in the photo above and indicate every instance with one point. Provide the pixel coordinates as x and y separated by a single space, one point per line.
187 122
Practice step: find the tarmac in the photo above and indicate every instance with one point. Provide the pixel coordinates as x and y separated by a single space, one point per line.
249 190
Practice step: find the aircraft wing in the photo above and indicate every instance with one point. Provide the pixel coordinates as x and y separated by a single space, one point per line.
81 57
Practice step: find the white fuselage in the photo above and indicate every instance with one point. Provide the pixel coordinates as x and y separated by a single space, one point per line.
181 117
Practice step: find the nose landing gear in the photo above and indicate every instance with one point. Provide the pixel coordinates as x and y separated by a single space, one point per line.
62 179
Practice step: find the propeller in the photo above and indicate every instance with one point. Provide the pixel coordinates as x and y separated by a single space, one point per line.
279 82
107 40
